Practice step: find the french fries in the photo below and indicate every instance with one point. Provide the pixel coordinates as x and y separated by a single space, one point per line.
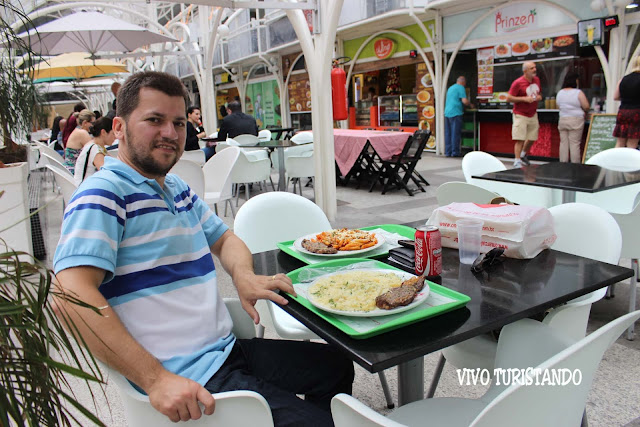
347 240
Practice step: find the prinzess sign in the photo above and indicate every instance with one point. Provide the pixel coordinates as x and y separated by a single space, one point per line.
384 48
515 18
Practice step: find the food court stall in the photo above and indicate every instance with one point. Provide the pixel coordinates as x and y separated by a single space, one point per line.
555 57
503 36
389 86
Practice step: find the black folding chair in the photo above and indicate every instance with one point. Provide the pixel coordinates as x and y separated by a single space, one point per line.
389 171
365 166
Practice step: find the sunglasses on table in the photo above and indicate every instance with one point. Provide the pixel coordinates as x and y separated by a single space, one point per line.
485 261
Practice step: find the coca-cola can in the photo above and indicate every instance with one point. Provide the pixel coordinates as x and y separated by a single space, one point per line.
428 243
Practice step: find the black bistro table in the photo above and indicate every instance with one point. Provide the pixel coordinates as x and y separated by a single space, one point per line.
279 145
282 133
568 177
514 290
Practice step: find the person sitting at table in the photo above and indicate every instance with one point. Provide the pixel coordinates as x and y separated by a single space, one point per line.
91 158
56 133
137 243
71 124
237 123
78 138
195 131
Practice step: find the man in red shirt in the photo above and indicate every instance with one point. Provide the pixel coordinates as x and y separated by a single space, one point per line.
524 94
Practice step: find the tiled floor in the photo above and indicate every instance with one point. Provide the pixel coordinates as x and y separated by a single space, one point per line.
615 395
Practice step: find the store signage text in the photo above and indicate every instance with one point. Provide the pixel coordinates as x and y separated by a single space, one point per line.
509 20
384 48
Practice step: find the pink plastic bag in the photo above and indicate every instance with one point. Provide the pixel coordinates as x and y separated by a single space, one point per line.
523 231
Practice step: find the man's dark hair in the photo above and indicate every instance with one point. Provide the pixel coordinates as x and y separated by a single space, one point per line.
571 80
78 107
103 123
235 106
192 108
129 93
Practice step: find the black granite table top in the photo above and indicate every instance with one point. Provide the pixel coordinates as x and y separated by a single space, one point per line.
275 143
514 290
565 176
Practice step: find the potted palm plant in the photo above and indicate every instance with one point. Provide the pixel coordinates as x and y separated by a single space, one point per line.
37 355
19 100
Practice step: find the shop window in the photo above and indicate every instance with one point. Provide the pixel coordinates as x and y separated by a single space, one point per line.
377 7
280 31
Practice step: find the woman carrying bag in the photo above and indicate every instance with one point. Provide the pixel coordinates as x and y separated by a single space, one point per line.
91 158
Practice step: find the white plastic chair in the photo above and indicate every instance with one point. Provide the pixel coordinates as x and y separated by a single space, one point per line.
55 162
479 163
65 181
264 135
45 149
246 139
602 242
523 344
302 137
299 165
462 192
616 200
191 173
274 217
252 153
630 226
47 159
297 150
248 170
196 156
217 178
241 408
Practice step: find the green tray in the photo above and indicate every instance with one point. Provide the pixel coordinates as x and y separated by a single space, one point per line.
450 300
403 230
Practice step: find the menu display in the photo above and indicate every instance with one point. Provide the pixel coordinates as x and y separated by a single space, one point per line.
548 47
600 136
300 96
426 102
485 70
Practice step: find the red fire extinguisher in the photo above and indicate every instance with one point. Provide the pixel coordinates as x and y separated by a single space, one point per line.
339 90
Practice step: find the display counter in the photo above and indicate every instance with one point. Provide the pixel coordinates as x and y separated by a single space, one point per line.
495 133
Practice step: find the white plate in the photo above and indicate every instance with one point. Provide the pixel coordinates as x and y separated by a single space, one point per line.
297 245
426 80
504 52
419 299
525 48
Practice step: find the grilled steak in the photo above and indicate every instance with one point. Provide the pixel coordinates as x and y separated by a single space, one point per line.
318 247
417 282
396 297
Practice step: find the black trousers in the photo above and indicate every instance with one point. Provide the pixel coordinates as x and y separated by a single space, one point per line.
279 370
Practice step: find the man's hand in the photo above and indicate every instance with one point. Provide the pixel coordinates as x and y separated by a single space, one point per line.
177 397
252 287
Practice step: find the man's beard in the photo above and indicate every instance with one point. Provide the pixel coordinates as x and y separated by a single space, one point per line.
144 161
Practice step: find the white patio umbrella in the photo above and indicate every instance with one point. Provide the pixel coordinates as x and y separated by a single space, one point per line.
90 32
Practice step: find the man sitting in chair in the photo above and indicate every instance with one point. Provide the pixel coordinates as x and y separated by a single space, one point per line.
137 244
237 123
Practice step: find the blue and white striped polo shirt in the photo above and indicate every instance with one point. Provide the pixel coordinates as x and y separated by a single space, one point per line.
160 277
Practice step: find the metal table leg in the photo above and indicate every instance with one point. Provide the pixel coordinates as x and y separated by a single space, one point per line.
411 381
282 181
568 196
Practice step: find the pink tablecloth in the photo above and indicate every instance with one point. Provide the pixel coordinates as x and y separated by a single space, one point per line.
349 143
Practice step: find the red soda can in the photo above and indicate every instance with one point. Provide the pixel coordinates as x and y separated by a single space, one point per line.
428 242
